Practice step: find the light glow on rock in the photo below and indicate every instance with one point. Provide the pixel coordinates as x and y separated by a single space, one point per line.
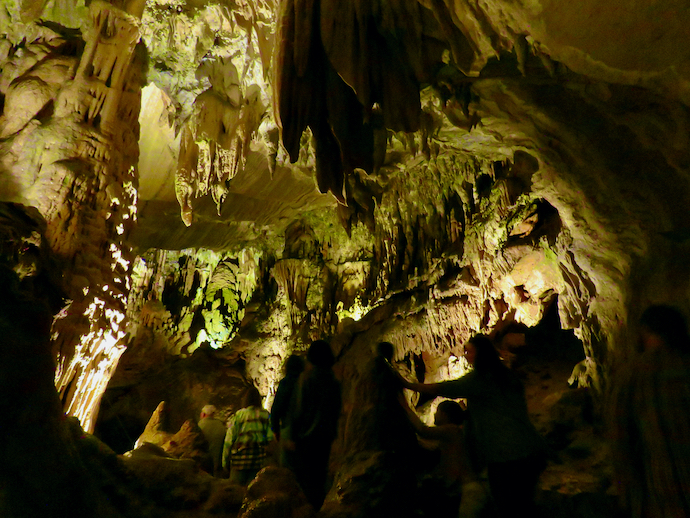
94 361
457 367
132 195
356 311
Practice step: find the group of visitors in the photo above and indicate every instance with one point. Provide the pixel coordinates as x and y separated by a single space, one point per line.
492 435
500 437
303 423
241 447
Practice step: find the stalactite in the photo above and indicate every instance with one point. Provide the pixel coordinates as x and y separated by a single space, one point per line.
215 146
290 276
343 70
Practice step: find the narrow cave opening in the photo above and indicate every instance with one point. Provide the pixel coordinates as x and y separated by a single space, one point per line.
548 341
118 429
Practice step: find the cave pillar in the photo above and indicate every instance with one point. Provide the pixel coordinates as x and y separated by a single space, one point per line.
95 208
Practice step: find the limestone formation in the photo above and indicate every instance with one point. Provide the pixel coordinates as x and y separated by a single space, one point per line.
198 189
70 128
155 431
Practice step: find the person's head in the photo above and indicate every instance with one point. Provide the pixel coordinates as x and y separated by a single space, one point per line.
294 365
385 350
320 354
449 412
470 353
252 397
481 353
664 326
487 362
208 411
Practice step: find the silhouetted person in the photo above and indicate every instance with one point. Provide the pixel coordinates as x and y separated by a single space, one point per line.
249 432
393 429
313 420
652 419
453 481
514 453
214 431
390 431
294 366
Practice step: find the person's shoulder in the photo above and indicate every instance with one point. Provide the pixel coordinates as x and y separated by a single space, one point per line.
289 379
449 431
218 422
243 412
210 421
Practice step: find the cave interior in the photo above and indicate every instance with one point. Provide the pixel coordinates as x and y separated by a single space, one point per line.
193 190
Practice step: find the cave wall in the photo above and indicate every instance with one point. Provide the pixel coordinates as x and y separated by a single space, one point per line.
439 268
42 456
496 158
69 129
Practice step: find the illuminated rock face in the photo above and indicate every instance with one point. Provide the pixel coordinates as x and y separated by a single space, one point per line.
70 124
412 171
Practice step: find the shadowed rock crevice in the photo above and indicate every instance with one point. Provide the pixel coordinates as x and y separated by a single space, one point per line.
195 190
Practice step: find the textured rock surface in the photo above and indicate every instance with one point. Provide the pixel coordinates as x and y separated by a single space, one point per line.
275 493
504 167
69 128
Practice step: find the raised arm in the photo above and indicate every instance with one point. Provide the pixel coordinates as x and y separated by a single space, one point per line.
432 389
427 432
465 387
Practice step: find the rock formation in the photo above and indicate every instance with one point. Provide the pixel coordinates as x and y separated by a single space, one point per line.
70 148
413 171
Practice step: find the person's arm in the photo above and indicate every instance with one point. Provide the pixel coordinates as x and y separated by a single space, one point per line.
278 409
227 446
464 387
427 432
270 436
432 389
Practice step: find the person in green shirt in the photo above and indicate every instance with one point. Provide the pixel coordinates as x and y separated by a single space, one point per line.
507 442
249 433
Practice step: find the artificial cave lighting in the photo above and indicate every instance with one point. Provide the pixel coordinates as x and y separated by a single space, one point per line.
216 340
201 337
216 187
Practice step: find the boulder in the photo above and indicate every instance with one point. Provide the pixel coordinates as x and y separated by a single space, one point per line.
275 493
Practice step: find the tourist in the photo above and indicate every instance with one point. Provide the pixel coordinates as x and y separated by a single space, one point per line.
508 443
453 478
313 418
249 433
393 431
652 419
294 365
214 431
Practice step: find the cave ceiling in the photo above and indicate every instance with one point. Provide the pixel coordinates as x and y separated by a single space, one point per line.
465 160
217 60
470 79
